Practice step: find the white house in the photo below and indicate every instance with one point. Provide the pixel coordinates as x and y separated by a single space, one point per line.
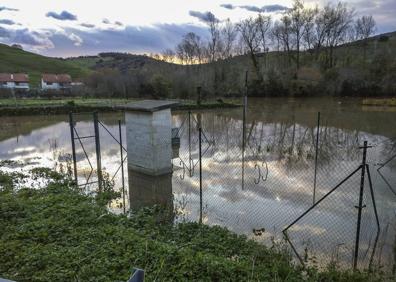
56 82
14 81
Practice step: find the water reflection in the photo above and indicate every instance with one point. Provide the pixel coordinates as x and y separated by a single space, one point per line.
148 190
280 141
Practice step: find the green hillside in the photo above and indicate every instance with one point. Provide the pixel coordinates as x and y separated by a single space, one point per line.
13 60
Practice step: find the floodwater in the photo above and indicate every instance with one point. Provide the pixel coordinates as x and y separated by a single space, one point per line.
261 190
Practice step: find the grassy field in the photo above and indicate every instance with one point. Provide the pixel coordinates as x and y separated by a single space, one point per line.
13 60
61 102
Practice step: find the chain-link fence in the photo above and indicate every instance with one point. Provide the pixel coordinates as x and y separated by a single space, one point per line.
293 179
286 181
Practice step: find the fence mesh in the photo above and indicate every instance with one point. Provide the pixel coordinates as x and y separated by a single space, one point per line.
260 186
261 173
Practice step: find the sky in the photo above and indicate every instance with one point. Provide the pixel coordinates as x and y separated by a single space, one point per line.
64 28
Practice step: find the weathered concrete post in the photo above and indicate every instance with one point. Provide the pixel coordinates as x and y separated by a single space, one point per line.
149 140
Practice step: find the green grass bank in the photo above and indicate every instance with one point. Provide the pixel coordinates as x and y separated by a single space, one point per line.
57 233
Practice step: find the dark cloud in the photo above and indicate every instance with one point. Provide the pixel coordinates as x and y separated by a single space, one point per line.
274 8
107 21
263 9
7 22
228 6
87 25
204 17
4 33
33 39
63 16
7 9
251 8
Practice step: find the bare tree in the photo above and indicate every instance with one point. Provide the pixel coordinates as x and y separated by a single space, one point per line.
168 55
364 28
191 49
338 24
296 17
228 37
264 24
309 27
213 24
249 31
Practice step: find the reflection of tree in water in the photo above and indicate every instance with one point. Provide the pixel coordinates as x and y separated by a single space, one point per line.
284 141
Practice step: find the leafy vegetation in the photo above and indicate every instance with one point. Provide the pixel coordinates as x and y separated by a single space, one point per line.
59 234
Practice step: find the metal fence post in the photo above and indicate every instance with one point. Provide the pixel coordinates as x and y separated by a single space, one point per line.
190 168
316 159
360 207
71 123
122 166
98 154
244 129
200 175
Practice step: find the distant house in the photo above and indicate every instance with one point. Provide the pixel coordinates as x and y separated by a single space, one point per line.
56 82
14 81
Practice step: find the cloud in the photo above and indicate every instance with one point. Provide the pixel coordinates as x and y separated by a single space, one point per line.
256 9
38 40
204 17
7 22
87 25
4 33
228 6
274 8
251 8
7 9
133 39
63 16
77 41
108 22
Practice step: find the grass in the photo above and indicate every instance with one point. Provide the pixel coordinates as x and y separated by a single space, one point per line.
388 102
19 107
57 233
13 60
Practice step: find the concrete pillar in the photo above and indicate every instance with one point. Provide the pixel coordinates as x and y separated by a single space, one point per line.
149 136
149 140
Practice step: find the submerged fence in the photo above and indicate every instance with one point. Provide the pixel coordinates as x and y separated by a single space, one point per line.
327 192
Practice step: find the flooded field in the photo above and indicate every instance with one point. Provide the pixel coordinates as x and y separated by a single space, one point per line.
260 190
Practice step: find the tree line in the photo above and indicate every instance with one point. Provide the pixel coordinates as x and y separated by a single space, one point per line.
299 29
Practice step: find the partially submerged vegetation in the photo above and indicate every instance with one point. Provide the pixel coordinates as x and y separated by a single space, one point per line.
57 233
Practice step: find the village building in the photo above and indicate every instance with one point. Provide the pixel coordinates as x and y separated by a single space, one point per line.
18 81
56 82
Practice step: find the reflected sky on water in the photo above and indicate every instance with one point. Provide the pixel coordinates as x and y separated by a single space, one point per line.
268 188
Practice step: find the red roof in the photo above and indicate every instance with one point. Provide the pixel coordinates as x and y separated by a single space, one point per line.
54 78
14 77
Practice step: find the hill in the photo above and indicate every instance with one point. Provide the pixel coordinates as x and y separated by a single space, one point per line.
360 68
13 60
